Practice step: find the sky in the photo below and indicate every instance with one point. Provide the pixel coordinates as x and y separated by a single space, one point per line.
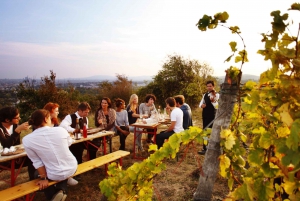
78 39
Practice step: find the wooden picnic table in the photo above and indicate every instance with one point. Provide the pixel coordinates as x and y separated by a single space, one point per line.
12 158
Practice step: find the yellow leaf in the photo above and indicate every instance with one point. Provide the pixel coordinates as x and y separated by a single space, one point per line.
285 115
224 164
288 186
283 131
230 141
246 100
260 130
152 147
225 133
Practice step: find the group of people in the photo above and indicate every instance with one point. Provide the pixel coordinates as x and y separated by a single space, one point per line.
51 154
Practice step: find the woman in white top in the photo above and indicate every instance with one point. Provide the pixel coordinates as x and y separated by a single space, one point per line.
121 123
48 149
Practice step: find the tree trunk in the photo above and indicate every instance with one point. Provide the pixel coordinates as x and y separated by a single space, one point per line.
210 168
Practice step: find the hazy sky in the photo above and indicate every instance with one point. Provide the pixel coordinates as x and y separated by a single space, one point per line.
96 37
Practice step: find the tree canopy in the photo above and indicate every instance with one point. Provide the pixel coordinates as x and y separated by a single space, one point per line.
179 76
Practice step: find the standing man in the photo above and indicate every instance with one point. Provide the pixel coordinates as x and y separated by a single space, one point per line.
209 104
69 123
176 122
187 112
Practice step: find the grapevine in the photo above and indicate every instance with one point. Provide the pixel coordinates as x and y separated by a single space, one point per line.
271 115
135 183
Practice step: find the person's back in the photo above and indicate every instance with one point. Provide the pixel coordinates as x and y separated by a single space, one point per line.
50 146
47 148
187 116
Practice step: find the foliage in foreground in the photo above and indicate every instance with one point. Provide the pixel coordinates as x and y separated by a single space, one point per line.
270 114
135 183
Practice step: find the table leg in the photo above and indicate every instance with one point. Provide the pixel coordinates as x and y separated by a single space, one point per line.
104 153
134 139
12 172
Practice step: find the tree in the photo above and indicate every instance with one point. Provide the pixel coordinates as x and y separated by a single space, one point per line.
179 76
120 88
32 97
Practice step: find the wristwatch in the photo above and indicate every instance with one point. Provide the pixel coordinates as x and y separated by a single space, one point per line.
44 178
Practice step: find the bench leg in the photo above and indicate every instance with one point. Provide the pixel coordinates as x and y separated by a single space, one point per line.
29 198
120 161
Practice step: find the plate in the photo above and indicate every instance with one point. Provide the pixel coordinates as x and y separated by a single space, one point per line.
93 130
18 151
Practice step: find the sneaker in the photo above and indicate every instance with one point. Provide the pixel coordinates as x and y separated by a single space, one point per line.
58 196
202 152
72 182
64 197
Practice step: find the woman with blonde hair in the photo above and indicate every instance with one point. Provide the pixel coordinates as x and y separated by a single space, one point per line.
133 115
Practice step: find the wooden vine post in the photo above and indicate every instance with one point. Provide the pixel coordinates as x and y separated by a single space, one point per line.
210 168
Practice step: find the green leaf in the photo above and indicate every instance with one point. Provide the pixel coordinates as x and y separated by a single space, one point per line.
235 29
293 140
204 22
233 46
256 156
264 189
295 6
228 59
241 193
265 140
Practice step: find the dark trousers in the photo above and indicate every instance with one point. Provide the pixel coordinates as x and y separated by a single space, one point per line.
93 150
50 191
122 137
160 139
150 135
77 151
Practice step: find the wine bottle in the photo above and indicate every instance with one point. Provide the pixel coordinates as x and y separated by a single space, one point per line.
84 131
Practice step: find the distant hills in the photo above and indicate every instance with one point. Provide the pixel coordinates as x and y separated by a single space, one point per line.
99 78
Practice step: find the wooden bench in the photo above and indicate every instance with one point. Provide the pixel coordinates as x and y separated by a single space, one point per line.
30 187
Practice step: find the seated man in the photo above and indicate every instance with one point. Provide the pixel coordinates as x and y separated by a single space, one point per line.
176 122
48 149
69 123
10 131
187 112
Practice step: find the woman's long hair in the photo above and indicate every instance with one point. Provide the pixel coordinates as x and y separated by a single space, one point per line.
51 107
131 104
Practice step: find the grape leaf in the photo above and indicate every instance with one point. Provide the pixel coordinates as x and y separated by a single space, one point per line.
293 139
256 156
224 165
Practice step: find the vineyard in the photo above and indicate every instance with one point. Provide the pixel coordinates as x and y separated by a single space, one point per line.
266 117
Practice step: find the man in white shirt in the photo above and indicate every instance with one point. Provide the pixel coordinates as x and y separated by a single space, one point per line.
48 149
176 122
69 124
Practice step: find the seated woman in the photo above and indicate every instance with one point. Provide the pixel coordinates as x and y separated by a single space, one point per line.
53 108
105 118
133 115
10 131
48 149
121 123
